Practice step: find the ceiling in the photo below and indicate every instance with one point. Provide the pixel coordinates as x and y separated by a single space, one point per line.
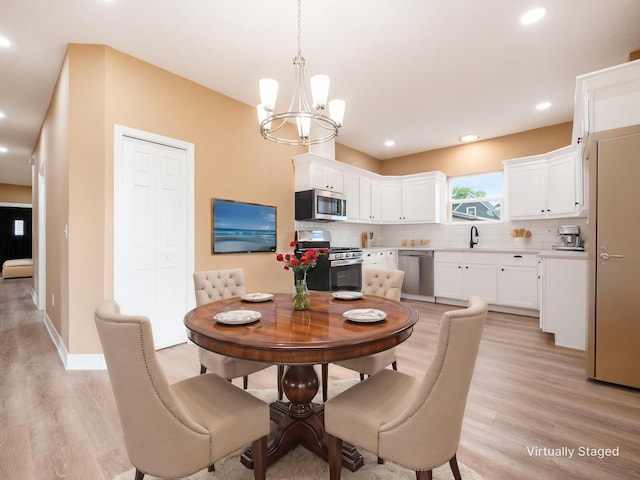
420 72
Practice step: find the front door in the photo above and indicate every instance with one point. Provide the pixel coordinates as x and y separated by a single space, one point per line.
617 322
152 264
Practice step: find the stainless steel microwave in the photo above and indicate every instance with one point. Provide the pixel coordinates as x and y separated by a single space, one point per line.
319 204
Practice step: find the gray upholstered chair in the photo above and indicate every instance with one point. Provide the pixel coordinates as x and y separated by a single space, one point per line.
174 430
386 283
414 422
215 285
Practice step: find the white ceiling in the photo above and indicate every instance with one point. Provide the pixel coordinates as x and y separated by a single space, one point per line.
420 72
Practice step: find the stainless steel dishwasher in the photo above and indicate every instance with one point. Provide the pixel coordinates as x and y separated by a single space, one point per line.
417 266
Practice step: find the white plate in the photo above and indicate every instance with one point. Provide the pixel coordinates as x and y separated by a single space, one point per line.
237 317
256 297
347 295
365 315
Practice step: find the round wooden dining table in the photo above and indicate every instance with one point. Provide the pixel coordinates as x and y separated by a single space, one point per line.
299 340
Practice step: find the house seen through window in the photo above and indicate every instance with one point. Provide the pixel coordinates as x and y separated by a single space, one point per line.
475 198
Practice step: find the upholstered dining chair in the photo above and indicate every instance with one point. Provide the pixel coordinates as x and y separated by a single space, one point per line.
386 283
215 285
174 430
414 422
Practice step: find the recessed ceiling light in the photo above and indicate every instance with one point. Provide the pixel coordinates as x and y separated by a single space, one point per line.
532 16
4 42
389 143
469 138
2 115
543 105
3 149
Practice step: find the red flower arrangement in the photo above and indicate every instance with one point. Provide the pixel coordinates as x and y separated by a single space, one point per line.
307 260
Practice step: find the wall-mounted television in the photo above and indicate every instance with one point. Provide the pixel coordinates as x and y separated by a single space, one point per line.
240 227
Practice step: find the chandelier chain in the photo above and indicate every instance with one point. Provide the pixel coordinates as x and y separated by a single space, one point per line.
299 31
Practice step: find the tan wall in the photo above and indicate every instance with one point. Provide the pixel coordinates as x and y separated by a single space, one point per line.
99 87
51 153
483 156
15 193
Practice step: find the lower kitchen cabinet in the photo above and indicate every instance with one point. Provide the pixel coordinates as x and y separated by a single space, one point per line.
460 275
563 308
518 280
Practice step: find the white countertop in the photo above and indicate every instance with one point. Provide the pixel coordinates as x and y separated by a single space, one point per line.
521 251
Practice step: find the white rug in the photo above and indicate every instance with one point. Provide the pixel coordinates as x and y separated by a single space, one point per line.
301 464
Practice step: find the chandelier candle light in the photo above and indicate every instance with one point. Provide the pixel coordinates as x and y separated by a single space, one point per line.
300 298
313 126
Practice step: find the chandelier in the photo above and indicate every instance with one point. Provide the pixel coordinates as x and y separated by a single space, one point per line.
313 125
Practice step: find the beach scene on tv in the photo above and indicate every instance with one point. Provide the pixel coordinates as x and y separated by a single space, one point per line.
243 227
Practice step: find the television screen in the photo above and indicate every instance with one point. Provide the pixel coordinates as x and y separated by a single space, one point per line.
240 227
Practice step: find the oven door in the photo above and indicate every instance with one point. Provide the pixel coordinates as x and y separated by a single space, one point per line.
346 275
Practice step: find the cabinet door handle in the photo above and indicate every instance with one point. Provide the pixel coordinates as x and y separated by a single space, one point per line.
517 256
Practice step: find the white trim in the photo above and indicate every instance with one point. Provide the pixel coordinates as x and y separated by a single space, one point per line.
72 361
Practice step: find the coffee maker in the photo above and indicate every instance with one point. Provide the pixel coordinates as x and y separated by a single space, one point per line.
570 238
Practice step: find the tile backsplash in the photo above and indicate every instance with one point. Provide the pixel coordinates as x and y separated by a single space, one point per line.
491 235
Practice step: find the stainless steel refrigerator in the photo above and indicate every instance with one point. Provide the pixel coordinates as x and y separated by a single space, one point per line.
614 255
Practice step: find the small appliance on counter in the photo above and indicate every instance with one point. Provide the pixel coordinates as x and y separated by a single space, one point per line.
570 238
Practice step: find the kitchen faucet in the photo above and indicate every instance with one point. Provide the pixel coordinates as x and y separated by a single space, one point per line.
474 239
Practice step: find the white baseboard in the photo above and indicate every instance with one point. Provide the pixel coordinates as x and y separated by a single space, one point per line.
72 361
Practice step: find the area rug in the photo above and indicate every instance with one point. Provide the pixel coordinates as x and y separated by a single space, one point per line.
301 464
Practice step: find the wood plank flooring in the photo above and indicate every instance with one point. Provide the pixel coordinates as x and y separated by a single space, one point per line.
526 396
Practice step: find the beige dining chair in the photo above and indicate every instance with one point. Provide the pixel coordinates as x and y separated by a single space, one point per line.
386 283
174 430
210 286
413 422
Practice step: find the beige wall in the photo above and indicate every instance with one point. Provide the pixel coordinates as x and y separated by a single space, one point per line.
99 87
15 193
482 156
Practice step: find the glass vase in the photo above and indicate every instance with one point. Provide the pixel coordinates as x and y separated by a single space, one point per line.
300 298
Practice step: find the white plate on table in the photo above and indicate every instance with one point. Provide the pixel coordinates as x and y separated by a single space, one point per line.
365 315
237 317
256 297
347 295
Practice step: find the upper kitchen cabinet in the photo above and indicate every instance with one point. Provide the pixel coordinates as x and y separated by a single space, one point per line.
352 191
545 186
370 199
313 171
607 99
419 198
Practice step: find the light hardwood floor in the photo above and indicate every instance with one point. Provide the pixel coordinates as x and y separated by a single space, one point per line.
526 395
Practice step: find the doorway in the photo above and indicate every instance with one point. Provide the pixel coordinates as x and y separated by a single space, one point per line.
154 230
15 232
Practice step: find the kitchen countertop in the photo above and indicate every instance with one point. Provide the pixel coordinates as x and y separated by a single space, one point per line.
521 251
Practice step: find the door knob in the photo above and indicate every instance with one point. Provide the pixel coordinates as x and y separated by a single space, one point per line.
606 256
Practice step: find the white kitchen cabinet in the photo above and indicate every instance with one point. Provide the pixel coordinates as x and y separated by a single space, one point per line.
352 192
380 258
392 201
414 199
370 199
563 309
447 275
312 171
460 275
545 186
518 280
606 99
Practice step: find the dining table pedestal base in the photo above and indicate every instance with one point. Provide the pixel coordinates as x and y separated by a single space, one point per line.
301 422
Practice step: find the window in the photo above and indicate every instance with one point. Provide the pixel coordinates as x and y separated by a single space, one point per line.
475 198
18 228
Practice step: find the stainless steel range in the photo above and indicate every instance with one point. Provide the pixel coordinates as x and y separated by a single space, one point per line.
340 270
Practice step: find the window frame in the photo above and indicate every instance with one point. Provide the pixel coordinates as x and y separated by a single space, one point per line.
451 202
